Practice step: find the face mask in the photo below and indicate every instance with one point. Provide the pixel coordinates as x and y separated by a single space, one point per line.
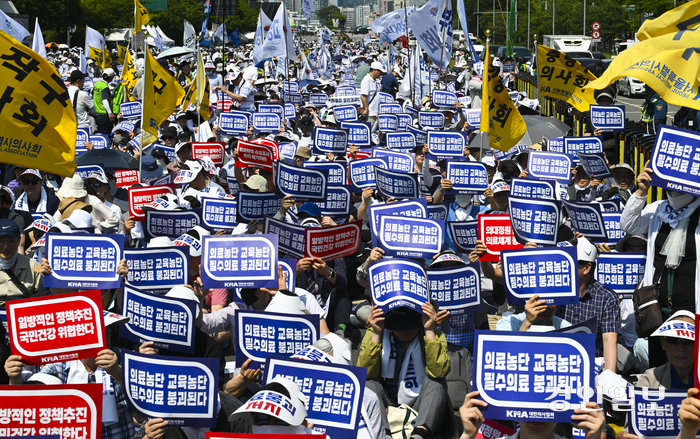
678 200
463 200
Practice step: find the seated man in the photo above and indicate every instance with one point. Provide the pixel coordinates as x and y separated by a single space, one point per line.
407 364
536 314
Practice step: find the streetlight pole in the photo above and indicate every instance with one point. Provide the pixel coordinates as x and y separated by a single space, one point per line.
584 17
554 2
528 24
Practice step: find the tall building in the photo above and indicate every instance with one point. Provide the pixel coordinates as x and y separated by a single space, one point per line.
362 13
351 21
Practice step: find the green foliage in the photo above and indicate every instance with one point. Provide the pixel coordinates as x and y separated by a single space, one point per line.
245 20
328 14
171 21
55 16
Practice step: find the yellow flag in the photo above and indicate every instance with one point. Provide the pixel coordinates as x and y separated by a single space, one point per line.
686 16
38 128
563 78
668 63
107 60
95 55
141 17
161 94
121 57
499 117
129 76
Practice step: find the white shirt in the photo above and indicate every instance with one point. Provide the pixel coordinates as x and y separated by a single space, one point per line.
369 88
84 105
246 89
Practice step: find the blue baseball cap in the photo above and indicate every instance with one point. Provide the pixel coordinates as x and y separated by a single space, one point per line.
10 228
311 209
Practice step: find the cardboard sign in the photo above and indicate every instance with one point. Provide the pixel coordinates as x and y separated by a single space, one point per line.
614 205
58 328
182 390
549 166
510 370
390 108
536 189
396 185
55 411
552 273
287 151
387 122
420 135
272 108
409 237
473 117
337 171
438 211
138 196
251 155
302 184
359 133
396 161
431 119
239 261
464 235
587 145
344 91
290 236
85 170
258 334
172 223
496 232
675 161
131 110
334 392
157 269
266 122
621 272
233 123
318 99
290 112
612 226
404 121
362 172
534 220
413 209
256 206
456 289
126 178
446 144
595 165
467 177
385 98
587 219
169 322
99 141
330 243
338 202
493 430
608 118
398 282
654 413
346 113
443 98
219 214
213 150
330 141
83 261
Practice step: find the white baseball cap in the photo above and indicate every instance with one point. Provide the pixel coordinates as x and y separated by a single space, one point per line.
187 175
291 410
182 292
377 66
587 252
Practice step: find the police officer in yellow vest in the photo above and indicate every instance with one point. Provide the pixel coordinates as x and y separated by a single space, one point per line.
105 116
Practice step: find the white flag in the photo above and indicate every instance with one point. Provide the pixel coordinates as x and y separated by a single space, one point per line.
38 42
260 34
305 72
83 62
11 27
429 31
221 33
93 39
189 38
308 8
279 40
158 40
393 24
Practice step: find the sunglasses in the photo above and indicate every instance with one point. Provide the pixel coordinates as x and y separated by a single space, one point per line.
98 184
167 138
683 341
30 182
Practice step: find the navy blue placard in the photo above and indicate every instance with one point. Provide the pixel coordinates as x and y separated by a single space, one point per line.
266 122
456 289
420 135
390 108
318 99
170 223
654 412
556 145
294 98
345 91
675 161
387 122
539 189
588 144
239 261
345 113
409 237
621 272
289 271
330 141
398 282
84 261
385 98
84 170
612 226
337 171
499 155
438 211
612 205
413 112
290 236
362 172
157 269
292 87
219 214
288 150
512 370
412 209
334 392
467 177
338 202
397 185
608 118
303 184
403 142
464 235
258 334
552 273
256 206
549 166
443 98
168 150
233 123
431 119
594 165
446 144
168 322
404 121
587 219
396 161
233 187
534 220
99 141
271 108
131 110
182 390
290 112
359 133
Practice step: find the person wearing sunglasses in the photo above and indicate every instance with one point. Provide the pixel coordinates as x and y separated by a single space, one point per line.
35 199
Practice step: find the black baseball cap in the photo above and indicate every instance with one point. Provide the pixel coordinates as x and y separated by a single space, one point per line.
76 75
9 228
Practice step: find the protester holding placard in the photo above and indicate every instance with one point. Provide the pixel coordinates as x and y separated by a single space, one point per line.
537 313
17 275
583 187
35 199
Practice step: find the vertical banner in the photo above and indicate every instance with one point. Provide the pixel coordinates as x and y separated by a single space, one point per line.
621 272
58 328
83 261
169 322
302 184
184 391
496 232
467 177
398 282
409 237
456 289
330 243
552 273
397 185
239 261
534 220
587 219
157 269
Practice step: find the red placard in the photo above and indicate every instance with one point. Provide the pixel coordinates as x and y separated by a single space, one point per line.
360 154
210 435
126 178
329 243
697 363
138 196
493 430
58 328
251 155
272 144
496 232
214 150
66 410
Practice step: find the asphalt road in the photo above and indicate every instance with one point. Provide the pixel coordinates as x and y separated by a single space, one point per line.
633 108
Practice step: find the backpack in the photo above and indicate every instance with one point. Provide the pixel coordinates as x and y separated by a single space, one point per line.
685 118
648 109
459 379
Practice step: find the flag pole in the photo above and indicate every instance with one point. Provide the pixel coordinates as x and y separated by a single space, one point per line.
286 55
410 80
143 106
442 49
199 104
